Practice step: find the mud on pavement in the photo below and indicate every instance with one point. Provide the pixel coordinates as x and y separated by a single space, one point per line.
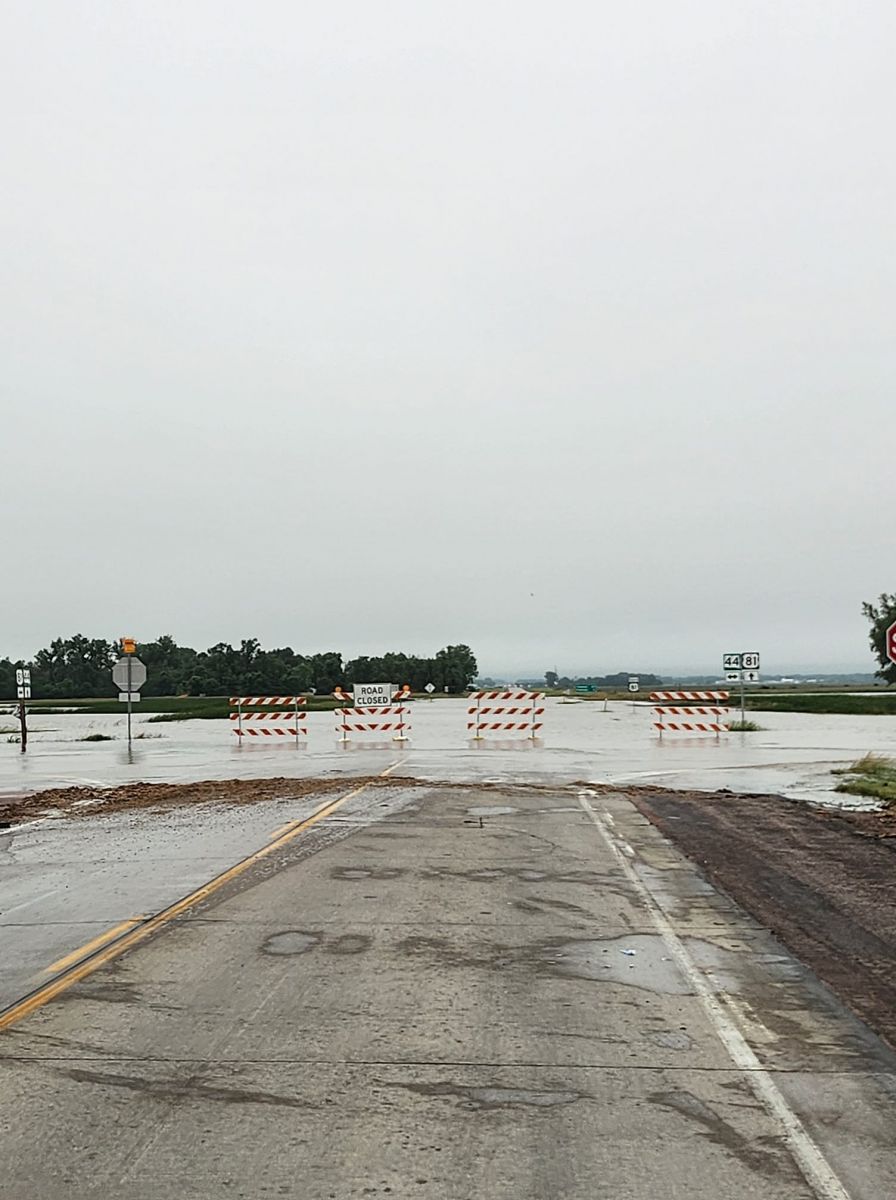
821 882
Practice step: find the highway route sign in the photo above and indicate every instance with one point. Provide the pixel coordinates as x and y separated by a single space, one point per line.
891 643
23 683
372 695
750 660
634 683
120 674
731 662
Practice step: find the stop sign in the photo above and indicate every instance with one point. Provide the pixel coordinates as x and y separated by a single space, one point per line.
891 643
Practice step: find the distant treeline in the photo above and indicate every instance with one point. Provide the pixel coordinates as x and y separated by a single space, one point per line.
616 682
79 667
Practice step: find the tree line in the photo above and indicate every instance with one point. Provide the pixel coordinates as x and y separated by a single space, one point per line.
617 682
80 668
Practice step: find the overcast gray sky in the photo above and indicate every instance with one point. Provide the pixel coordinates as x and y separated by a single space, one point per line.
565 330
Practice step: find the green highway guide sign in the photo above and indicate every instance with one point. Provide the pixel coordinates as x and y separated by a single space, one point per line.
584 687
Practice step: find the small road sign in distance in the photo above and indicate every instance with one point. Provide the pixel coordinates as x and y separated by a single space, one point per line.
750 660
731 662
634 683
732 676
137 676
430 687
891 643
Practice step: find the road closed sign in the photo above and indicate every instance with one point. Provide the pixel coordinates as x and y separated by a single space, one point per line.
372 695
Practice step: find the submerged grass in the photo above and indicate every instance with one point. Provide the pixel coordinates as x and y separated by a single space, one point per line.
871 775
745 727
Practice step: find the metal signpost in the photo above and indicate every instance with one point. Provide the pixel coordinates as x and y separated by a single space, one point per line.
129 676
23 693
742 668
891 643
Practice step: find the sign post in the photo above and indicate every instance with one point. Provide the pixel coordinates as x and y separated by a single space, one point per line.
129 675
742 667
23 693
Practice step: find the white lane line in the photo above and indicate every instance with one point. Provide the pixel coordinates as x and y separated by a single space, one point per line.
34 900
815 1168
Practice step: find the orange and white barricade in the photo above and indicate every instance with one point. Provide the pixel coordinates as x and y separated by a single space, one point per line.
283 716
709 708
505 712
366 719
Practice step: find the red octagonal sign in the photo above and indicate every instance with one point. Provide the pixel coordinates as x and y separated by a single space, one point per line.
891 643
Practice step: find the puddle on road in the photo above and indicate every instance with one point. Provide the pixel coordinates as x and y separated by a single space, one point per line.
649 967
290 941
673 1041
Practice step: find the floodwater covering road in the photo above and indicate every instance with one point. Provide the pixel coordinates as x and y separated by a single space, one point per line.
792 755
515 993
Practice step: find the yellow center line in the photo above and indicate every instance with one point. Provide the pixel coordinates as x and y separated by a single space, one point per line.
82 952
128 940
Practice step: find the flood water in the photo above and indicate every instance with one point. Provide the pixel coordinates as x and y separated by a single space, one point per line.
793 755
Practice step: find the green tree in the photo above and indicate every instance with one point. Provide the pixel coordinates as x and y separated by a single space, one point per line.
458 667
7 679
881 615
74 667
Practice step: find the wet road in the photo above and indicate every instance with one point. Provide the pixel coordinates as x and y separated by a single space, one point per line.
447 993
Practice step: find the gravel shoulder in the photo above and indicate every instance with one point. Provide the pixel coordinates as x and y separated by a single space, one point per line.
822 882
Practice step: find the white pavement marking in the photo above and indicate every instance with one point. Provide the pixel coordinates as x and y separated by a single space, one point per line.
34 900
815 1168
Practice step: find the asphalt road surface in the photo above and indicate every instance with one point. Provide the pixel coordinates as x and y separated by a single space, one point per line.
446 992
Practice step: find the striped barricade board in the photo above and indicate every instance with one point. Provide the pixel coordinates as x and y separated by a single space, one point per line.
703 712
505 712
390 719
283 716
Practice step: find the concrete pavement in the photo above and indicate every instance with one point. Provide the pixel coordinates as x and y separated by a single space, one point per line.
452 993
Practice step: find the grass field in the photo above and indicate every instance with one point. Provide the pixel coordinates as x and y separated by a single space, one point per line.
875 704
164 708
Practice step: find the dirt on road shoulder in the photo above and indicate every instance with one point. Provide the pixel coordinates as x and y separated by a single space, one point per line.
100 801
823 883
